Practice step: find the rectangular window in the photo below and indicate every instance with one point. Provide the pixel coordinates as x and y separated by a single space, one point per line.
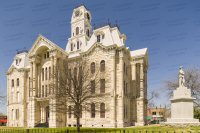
92 86
16 62
13 97
78 45
49 73
153 113
17 81
74 111
43 91
13 116
47 54
124 88
42 74
46 91
80 111
102 86
17 96
19 60
46 73
29 86
71 46
70 111
44 56
17 114
98 38
124 111
126 70
49 89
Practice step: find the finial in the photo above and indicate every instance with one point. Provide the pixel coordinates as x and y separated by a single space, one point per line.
108 19
116 21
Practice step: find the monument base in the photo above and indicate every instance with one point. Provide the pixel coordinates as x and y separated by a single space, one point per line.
167 124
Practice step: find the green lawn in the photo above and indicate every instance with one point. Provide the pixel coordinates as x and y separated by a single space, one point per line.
144 129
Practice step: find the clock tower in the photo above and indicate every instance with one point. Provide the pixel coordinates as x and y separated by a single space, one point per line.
80 29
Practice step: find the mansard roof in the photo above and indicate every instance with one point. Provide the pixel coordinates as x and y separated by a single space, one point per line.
24 64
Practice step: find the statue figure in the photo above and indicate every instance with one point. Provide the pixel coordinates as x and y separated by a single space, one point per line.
181 77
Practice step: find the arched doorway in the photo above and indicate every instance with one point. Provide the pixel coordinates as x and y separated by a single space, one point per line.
47 114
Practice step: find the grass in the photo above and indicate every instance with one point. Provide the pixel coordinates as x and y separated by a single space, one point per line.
142 129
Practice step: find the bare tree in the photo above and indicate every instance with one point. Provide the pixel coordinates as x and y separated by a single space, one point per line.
152 95
192 81
2 97
78 86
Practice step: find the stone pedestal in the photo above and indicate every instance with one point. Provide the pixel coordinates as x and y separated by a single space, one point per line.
182 109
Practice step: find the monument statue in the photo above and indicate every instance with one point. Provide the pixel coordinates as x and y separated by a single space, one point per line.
181 77
182 114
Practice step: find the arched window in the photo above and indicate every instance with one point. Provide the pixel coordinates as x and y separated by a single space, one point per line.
71 46
102 110
12 82
102 66
17 81
92 67
78 45
102 86
92 110
77 30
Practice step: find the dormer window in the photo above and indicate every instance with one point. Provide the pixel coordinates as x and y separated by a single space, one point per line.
16 62
71 46
98 38
77 45
19 60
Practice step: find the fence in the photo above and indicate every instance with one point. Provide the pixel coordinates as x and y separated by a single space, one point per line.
74 131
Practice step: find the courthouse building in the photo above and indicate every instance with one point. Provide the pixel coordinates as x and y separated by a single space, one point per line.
28 78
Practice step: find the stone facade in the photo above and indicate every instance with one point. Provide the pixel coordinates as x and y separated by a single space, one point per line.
29 78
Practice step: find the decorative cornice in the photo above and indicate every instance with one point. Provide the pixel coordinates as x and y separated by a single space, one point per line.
18 69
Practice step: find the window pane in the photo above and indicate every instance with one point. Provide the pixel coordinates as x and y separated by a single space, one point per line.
77 30
102 66
71 46
98 38
92 86
92 110
78 45
102 110
102 89
92 67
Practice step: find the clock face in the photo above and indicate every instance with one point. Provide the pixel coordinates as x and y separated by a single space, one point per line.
77 13
88 16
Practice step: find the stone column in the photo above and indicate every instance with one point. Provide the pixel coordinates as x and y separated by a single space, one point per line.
113 90
55 67
145 96
120 110
133 108
39 81
141 80
52 62
34 79
31 78
8 101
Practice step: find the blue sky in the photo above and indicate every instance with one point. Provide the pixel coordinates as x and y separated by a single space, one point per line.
169 29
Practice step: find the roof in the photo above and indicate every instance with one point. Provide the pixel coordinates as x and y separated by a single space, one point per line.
139 52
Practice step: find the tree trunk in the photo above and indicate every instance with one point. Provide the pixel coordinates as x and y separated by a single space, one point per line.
78 123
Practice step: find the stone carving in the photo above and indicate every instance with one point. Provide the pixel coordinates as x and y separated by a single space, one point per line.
181 77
